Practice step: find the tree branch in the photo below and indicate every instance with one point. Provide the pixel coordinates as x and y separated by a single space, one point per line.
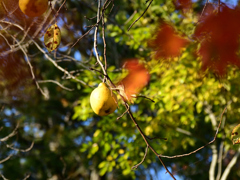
5 159
230 165
213 162
182 155
141 15
55 82
21 150
13 133
136 166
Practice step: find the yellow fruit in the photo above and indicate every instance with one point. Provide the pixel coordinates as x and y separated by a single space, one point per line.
33 8
103 101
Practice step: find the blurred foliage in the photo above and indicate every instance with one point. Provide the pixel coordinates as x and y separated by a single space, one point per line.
70 141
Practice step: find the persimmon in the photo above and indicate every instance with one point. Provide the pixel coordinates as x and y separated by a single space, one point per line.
33 8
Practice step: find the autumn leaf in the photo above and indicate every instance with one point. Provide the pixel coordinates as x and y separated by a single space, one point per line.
219 37
52 38
137 78
235 136
167 42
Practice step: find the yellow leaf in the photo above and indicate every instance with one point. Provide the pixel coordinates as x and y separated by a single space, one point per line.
235 136
52 38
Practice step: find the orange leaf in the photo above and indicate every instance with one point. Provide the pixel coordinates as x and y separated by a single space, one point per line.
137 78
167 42
219 36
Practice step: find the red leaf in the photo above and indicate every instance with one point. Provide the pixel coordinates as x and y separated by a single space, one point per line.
167 42
219 36
137 78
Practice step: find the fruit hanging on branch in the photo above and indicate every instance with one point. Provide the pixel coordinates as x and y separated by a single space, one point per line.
103 101
33 8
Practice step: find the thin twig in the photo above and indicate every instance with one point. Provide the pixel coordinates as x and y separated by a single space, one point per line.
182 155
207 2
165 139
230 165
146 141
5 159
141 15
83 36
104 44
95 39
55 82
21 150
144 157
59 67
32 73
221 150
123 113
3 177
27 176
30 66
137 96
13 133
64 165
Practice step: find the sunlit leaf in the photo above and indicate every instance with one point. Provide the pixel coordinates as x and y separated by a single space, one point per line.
52 38
235 136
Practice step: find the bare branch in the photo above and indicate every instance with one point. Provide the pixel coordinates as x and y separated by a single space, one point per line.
57 66
141 15
33 75
213 162
144 157
13 133
220 154
95 39
182 155
27 176
5 159
145 139
3 177
55 82
230 165
142 96
83 36
123 113
21 150
29 64
165 139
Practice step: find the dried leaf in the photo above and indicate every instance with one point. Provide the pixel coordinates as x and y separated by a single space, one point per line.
235 136
52 38
167 42
136 79
219 37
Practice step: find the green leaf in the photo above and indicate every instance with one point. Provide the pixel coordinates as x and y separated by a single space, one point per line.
102 164
52 38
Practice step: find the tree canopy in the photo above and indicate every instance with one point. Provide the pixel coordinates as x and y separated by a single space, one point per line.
173 64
